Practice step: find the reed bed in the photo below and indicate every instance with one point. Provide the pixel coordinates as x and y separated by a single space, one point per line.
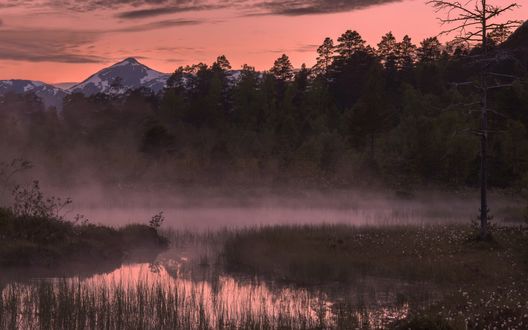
158 301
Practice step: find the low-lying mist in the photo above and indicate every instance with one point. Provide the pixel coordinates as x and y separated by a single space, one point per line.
223 207
199 206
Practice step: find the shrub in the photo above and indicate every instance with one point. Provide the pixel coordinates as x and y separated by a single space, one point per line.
157 220
31 202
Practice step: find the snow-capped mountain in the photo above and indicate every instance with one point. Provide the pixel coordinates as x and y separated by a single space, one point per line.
65 85
120 77
50 95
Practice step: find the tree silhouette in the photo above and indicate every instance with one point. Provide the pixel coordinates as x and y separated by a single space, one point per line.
388 51
430 50
283 69
474 23
349 43
325 54
222 64
406 53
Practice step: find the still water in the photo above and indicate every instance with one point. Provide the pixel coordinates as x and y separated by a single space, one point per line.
187 288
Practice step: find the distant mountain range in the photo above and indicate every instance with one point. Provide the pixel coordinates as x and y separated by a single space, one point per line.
51 96
126 75
119 78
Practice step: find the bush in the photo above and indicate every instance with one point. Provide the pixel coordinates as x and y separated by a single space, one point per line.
31 202
40 241
33 232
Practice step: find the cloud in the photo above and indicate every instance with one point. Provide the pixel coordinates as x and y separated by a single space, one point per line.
158 11
67 46
47 46
90 5
137 9
313 7
307 48
158 25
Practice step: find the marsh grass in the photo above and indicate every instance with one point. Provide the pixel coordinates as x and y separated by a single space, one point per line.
319 254
177 304
484 284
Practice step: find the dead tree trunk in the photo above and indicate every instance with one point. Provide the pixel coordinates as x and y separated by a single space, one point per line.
473 24
484 210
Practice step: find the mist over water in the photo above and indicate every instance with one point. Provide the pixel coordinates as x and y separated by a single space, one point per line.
217 208
190 285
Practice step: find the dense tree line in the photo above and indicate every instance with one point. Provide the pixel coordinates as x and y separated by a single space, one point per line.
397 113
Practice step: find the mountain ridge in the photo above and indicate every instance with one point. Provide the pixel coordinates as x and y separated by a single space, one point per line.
120 77
50 95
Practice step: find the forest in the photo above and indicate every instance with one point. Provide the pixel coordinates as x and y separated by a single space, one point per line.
398 114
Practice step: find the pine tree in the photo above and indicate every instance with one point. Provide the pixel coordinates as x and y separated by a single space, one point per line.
406 54
349 43
283 69
388 51
222 64
325 54
430 50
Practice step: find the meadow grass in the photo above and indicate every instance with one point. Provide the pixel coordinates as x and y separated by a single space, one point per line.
319 254
484 284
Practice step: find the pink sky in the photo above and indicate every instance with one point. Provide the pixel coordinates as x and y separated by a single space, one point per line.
42 40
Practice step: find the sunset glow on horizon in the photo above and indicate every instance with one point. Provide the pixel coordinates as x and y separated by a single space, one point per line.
66 41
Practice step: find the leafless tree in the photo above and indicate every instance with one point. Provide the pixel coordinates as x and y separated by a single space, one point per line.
474 21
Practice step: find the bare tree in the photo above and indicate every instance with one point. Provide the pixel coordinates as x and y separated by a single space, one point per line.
474 22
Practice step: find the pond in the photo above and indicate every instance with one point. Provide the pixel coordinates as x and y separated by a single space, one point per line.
187 287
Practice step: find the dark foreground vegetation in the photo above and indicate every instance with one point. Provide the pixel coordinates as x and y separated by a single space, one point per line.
481 284
35 241
35 233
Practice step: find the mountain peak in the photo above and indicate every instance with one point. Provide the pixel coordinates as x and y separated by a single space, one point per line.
131 73
128 61
131 60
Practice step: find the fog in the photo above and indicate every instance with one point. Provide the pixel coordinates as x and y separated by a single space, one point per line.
224 205
216 208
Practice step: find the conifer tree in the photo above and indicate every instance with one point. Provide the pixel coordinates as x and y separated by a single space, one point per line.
388 51
349 43
430 50
406 53
325 54
283 69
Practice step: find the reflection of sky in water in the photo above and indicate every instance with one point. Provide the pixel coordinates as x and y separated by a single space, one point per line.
235 299
226 296
224 299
